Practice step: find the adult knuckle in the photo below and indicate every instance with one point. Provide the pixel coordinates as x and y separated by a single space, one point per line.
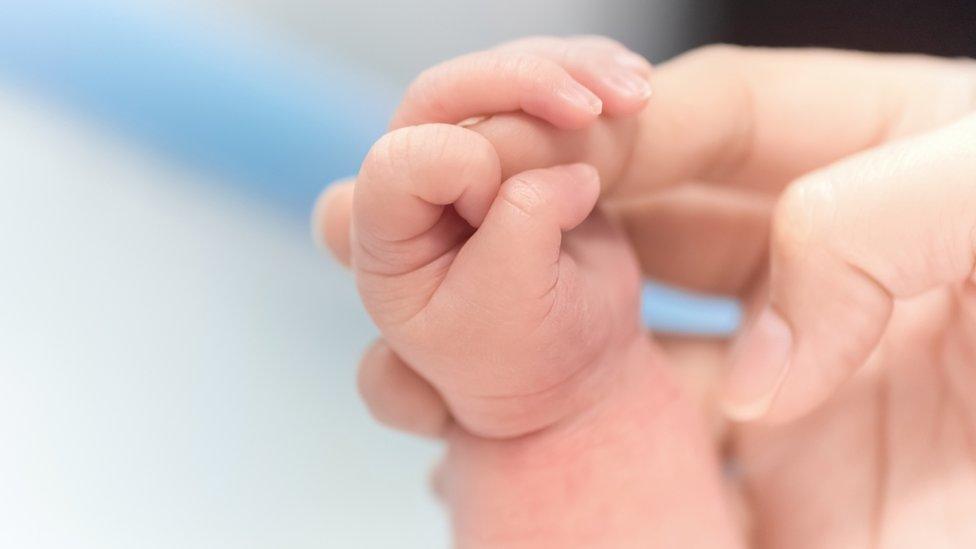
947 94
719 53
802 219
967 77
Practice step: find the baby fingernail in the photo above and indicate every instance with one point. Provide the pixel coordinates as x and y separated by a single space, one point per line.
628 83
580 97
474 120
583 171
759 364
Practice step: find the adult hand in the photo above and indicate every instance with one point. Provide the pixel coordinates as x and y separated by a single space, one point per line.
871 260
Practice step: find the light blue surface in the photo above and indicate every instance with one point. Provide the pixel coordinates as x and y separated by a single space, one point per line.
669 310
225 102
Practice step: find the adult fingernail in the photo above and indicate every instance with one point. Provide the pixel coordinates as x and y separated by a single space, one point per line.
580 97
759 364
628 83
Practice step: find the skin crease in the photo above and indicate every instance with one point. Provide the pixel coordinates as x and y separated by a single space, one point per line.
889 460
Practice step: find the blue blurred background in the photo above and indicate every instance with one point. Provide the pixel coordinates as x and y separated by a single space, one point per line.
177 360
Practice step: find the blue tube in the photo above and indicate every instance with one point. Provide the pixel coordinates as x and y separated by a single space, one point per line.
666 309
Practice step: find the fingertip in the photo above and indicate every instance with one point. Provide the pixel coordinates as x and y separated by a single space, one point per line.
579 97
560 197
571 106
620 78
582 170
519 240
604 67
398 397
624 92
556 96
437 480
585 196
759 364
481 165
331 217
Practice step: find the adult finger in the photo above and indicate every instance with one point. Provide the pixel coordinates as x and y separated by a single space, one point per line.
847 241
710 239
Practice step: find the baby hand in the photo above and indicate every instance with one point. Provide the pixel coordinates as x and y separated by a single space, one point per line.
517 304
566 82
507 296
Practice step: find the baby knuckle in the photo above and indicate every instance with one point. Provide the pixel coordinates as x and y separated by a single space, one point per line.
454 153
440 146
597 41
426 94
473 156
397 155
381 157
530 69
431 160
523 194
424 145
416 147
575 53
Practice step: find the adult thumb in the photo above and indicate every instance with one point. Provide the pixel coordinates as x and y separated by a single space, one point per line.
846 242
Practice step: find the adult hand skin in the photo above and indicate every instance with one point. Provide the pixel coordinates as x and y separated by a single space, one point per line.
836 194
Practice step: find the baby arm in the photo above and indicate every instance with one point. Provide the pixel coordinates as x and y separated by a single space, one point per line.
521 312
524 318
